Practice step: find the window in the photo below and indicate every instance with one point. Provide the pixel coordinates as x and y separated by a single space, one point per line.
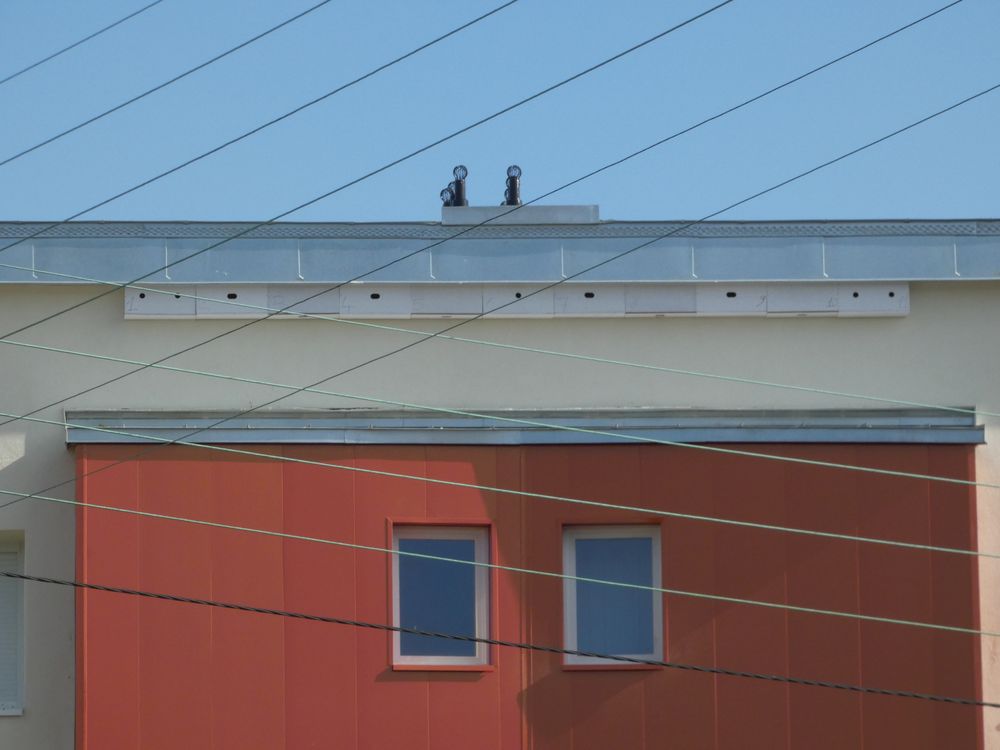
440 596
10 627
612 619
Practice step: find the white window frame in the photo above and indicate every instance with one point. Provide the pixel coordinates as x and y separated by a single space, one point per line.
480 536
16 706
570 536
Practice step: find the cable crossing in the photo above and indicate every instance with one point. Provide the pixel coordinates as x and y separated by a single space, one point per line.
263 126
711 448
444 331
480 488
523 571
716 449
499 642
378 170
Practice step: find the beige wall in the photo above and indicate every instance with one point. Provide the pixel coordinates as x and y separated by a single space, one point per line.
946 351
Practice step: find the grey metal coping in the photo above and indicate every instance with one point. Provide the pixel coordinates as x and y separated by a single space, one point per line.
383 427
334 253
434 230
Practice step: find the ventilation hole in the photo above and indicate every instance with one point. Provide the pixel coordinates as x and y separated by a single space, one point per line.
517 295
231 295
142 295
177 296
856 295
376 295
892 294
588 295
730 294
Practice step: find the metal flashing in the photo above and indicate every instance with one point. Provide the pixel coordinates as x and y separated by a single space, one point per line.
391 427
412 253
436 230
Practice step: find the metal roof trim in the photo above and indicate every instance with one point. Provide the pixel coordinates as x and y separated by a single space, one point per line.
363 426
437 230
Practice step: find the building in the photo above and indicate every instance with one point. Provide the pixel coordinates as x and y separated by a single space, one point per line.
670 346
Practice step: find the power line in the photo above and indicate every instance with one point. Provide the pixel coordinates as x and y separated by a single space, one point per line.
499 642
424 46
457 29
376 171
163 85
443 332
77 43
523 571
517 420
466 340
551 192
267 124
716 449
478 487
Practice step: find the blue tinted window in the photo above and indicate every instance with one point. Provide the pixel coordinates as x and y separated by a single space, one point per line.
611 619
436 595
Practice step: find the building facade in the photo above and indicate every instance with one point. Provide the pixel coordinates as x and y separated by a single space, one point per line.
711 408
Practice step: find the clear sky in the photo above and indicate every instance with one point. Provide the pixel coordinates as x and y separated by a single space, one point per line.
947 168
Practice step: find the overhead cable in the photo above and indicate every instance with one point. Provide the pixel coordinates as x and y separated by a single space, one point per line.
139 437
613 258
329 318
521 571
424 46
427 247
499 642
269 123
368 175
163 85
77 43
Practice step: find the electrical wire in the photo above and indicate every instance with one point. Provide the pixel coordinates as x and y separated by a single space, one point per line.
380 169
269 123
717 449
77 43
666 591
457 29
645 439
443 332
498 642
810 171
273 311
573 182
163 85
138 437
524 571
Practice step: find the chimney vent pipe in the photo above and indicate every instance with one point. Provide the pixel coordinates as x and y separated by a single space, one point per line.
512 196
458 186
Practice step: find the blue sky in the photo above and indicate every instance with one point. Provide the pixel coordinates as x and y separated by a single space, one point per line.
947 168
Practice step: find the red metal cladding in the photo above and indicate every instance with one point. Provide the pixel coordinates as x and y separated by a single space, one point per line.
155 674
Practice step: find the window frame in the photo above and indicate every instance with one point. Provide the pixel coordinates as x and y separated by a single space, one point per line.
481 536
14 543
571 533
